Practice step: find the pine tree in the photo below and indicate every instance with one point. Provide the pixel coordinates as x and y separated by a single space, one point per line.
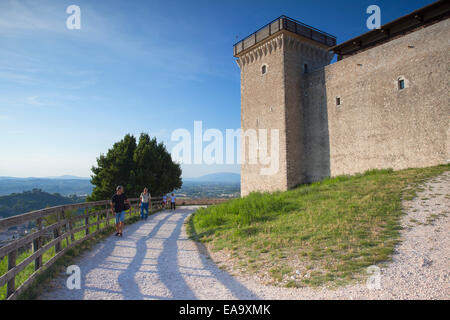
135 166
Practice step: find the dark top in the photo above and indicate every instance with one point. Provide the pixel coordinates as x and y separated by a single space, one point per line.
119 202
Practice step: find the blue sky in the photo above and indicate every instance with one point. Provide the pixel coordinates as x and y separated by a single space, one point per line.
135 66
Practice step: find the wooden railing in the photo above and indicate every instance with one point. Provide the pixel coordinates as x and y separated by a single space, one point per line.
61 228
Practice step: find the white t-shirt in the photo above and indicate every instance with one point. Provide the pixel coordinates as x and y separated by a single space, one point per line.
172 198
145 197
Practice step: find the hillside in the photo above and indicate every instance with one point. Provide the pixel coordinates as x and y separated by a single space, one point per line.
36 199
326 232
221 177
206 189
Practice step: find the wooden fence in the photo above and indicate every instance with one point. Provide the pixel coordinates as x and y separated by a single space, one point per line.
63 224
61 228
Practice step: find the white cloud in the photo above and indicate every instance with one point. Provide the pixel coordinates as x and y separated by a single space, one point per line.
33 101
154 46
23 16
15 132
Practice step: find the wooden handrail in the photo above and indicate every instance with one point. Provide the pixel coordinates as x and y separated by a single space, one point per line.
63 229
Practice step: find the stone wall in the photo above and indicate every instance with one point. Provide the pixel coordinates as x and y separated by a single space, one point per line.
377 125
273 101
297 53
262 106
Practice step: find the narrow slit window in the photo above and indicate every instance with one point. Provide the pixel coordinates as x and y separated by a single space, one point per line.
305 68
401 84
338 101
264 69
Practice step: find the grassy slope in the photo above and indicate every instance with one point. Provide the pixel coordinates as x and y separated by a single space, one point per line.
326 232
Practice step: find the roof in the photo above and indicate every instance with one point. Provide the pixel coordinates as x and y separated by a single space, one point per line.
432 13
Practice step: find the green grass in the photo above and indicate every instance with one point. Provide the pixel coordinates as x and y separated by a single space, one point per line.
62 262
328 232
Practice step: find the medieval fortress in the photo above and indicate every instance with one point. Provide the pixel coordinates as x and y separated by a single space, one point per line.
384 104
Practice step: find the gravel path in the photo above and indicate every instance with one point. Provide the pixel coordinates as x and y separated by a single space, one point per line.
156 260
153 260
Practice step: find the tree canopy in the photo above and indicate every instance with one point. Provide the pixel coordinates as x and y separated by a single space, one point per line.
135 166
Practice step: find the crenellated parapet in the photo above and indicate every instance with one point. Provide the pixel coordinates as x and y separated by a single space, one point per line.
298 44
263 49
307 48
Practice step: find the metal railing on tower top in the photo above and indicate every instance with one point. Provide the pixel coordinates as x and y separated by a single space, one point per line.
284 23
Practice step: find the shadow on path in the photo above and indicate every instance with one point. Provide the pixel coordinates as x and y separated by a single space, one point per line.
172 268
168 267
127 281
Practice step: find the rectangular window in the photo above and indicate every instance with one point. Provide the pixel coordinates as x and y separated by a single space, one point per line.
401 84
305 68
338 101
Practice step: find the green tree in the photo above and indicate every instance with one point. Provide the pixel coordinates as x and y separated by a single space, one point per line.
135 166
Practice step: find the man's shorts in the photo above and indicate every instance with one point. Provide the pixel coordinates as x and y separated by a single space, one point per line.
120 217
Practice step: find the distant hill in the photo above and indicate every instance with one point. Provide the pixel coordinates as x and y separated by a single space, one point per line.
222 177
65 185
36 199
68 177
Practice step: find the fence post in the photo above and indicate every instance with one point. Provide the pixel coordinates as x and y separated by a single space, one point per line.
72 236
11 285
64 226
86 220
107 215
57 233
99 217
37 244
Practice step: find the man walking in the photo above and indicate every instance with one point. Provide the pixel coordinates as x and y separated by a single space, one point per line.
172 201
118 207
145 199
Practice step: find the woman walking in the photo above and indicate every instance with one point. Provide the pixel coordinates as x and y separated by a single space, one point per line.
145 202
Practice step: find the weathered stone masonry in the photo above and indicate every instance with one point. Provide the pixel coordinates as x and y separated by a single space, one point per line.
376 125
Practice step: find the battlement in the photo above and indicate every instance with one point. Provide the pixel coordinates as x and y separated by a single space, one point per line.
288 24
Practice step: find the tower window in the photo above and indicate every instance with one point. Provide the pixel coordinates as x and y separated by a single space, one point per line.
338 101
402 83
264 69
305 68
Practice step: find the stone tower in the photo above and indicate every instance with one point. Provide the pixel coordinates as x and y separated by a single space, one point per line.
274 62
